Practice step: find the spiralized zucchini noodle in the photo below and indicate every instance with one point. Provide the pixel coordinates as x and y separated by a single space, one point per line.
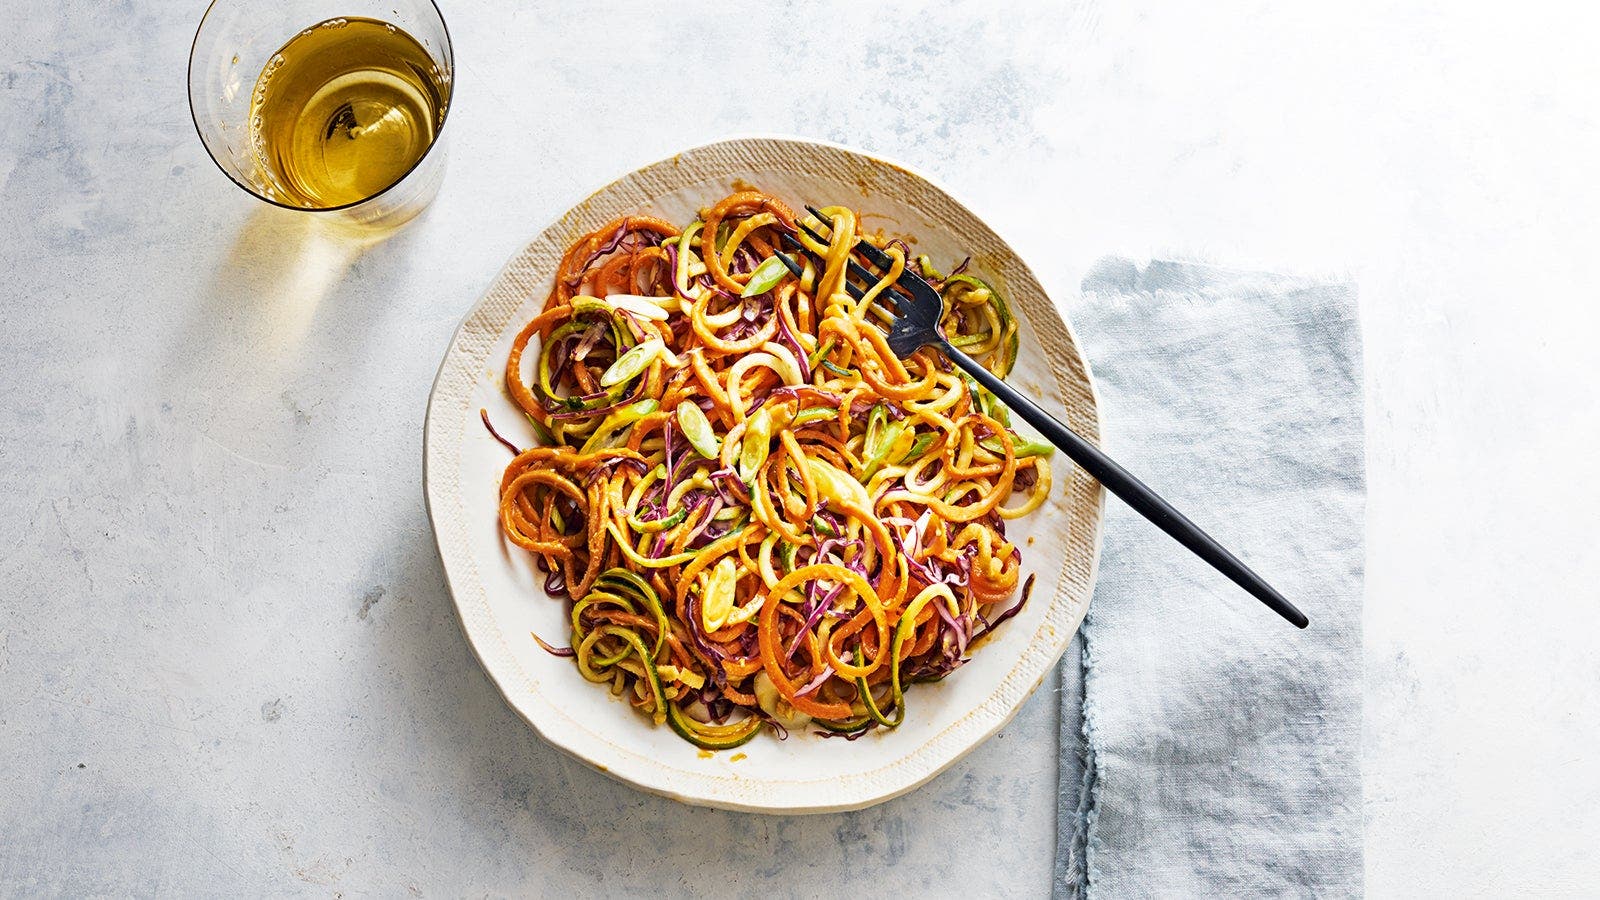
756 513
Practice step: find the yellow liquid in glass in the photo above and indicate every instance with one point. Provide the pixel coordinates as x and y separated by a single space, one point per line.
343 111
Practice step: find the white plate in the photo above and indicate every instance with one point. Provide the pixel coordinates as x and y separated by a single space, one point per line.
500 599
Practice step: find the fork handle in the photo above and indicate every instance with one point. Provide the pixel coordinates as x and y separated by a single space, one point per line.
1133 492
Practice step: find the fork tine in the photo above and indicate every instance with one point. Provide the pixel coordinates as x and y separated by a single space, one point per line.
901 301
813 232
789 263
866 275
856 269
794 242
861 245
873 254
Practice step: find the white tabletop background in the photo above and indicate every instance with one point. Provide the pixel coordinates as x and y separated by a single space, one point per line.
228 662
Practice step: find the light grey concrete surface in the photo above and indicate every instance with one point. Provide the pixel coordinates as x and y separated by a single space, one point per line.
228 663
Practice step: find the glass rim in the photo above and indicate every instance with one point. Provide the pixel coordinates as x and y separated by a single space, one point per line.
438 134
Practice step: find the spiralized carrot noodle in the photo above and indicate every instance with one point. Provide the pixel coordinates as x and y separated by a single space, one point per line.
757 514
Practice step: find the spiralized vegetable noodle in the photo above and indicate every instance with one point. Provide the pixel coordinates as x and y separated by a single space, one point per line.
757 514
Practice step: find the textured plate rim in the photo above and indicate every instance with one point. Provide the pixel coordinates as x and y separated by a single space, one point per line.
1068 603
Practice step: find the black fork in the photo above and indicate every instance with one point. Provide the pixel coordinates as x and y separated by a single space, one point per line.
918 309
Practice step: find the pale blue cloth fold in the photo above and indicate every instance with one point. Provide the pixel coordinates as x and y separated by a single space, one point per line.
1217 749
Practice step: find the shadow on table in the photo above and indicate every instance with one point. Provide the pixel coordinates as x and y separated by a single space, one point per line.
986 825
280 269
295 304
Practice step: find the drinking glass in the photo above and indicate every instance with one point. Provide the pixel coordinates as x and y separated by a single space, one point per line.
235 41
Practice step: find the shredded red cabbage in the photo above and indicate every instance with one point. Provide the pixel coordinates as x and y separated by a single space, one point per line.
644 239
793 343
484 413
563 652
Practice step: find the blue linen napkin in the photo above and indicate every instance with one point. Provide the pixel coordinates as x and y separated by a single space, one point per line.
1217 748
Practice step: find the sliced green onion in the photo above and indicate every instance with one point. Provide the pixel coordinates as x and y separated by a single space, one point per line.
641 306
698 430
1021 447
616 421
919 446
813 414
880 438
630 364
757 444
875 419
765 277
716 601
1025 447
987 403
